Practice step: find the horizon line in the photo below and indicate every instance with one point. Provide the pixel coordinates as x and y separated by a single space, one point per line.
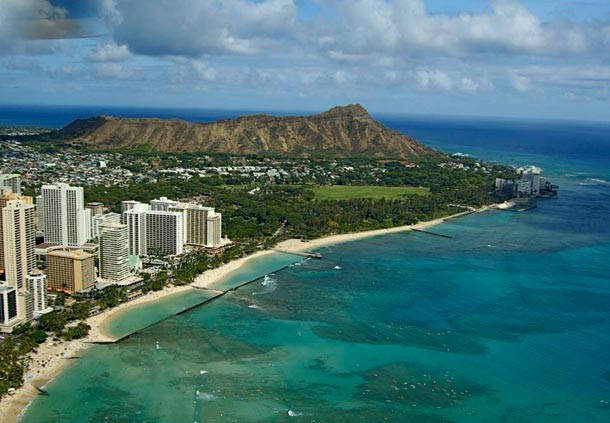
305 112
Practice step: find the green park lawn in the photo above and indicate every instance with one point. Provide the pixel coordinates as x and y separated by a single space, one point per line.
347 192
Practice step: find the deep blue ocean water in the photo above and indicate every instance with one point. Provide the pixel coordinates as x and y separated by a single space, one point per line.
509 321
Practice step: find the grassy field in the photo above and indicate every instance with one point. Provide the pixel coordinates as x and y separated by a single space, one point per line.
346 192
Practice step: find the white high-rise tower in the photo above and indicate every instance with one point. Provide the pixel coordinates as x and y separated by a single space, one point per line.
64 216
114 252
135 219
19 241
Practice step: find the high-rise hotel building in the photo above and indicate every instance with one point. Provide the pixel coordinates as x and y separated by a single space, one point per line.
164 233
36 284
134 216
17 259
8 308
65 220
18 241
114 252
202 225
165 226
6 195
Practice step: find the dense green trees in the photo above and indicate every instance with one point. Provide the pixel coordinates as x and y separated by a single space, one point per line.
12 353
11 366
76 332
54 321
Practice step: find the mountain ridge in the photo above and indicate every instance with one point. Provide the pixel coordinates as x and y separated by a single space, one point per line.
341 131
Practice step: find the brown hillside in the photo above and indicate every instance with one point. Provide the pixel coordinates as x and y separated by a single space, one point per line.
340 131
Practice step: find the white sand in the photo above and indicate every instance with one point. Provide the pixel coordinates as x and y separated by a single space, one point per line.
297 245
49 360
210 277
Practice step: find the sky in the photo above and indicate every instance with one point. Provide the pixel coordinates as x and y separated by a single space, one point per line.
545 59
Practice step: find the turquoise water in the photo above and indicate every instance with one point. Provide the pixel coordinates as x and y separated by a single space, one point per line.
506 322
147 314
140 317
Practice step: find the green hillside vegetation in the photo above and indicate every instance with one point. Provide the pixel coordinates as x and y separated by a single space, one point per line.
349 192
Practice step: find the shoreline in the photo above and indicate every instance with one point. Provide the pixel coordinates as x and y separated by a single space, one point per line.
13 407
297 245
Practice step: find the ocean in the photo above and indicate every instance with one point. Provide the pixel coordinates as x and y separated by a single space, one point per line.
508 321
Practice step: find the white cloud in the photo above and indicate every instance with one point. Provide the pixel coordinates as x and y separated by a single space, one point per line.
110 13
405 27
112 71
575 80
110 52
433 80
439 80
192 29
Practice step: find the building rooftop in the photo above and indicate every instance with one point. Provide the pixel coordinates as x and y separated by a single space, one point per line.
113 225
5 288
72 254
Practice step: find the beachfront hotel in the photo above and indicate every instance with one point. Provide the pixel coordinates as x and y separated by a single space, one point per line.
36 284
114 252
65 221
17 257
18 242
70 271
134 216
8 308
164 233
165 226
6 195
202 225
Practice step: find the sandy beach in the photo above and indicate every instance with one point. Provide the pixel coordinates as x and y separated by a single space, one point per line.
297 245
51 358
208 278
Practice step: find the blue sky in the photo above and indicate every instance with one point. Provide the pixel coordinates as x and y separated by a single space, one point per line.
515 58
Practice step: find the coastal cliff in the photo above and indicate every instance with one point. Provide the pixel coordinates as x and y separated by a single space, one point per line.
339 132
